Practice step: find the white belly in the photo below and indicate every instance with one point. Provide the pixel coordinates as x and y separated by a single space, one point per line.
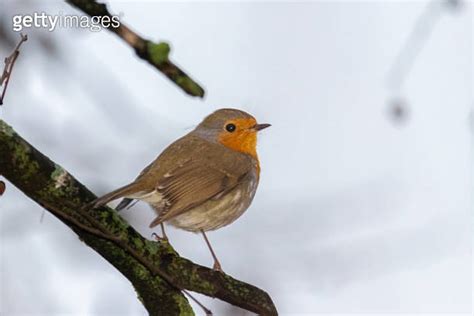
217 213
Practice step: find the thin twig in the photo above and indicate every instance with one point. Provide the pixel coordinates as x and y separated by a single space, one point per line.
417 39
204 308
9 63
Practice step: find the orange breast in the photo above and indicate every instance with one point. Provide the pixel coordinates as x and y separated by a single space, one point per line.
243 140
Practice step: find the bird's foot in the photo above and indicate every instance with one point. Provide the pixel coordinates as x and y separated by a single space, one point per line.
217 266
159 238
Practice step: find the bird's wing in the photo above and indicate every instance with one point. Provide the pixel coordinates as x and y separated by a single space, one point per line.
192 184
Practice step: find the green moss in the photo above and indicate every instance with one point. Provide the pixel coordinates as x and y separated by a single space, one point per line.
21 158
183 305
6 129
141 272
138 243
58 172
192 277
189 85
158 52
151 248
206 286
112 221
159 248
235 287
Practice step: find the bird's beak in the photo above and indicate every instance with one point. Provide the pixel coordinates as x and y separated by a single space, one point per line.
259 127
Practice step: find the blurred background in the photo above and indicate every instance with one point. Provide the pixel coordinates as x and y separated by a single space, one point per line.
365 200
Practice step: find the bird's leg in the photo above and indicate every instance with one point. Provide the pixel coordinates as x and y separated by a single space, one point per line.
164 236
217 265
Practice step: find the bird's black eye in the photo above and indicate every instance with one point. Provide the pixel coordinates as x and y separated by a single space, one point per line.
230 127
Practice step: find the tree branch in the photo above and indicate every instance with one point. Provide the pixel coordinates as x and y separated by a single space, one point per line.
9 63
156 271
157 54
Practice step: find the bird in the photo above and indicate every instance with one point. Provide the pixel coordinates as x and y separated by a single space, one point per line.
203 181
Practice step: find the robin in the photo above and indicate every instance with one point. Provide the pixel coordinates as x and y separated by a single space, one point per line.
204 180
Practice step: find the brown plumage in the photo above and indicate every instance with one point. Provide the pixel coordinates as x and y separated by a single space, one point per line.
204 180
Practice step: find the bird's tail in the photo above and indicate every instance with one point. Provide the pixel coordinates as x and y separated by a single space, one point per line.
124 191
125 203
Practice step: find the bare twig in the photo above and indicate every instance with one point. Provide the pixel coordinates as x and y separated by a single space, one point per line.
419 35
408 53
156 54
207 311
413 45
9 63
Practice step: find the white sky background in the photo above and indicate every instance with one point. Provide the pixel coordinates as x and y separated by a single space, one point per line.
353 214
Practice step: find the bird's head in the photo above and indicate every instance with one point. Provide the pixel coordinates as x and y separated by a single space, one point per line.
235 129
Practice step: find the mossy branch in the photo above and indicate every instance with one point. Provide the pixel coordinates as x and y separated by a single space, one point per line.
157 54
156 271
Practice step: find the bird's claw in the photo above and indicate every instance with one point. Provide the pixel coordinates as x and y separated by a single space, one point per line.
217 267
159 238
